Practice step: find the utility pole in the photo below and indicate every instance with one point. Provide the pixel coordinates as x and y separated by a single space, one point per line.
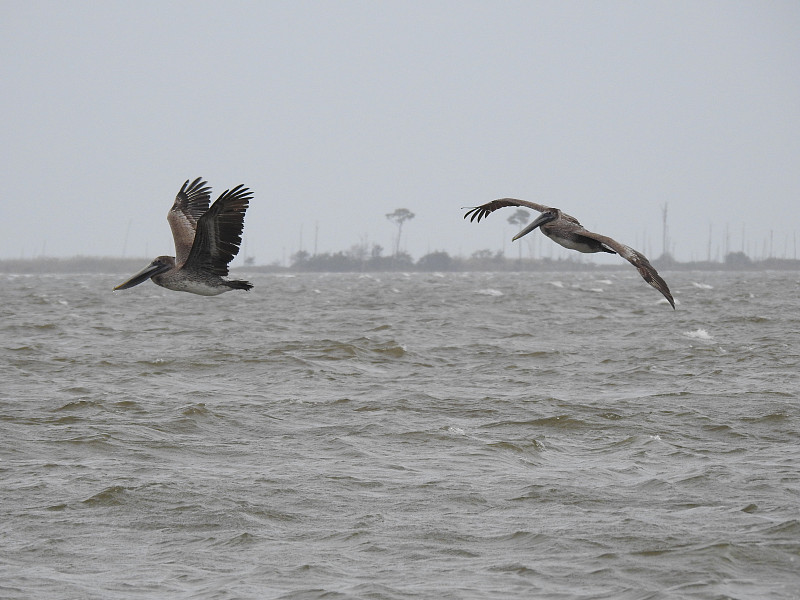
727 240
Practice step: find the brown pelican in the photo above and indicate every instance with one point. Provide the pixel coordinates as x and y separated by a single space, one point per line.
206 240
565 230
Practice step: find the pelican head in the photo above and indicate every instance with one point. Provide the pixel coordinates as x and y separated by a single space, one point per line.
550 214
159 265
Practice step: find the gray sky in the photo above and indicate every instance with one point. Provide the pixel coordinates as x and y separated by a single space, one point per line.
336 113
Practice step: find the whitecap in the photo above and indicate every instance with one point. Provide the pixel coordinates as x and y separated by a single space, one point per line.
703 286
558 284
699 334
454 430
489 292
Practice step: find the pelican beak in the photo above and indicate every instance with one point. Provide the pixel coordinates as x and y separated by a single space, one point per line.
153 268
540 220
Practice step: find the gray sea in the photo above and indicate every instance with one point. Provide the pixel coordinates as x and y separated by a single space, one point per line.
399 436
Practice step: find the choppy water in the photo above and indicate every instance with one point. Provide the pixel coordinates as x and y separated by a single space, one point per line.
402 436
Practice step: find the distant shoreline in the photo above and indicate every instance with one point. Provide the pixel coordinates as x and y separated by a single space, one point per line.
436 262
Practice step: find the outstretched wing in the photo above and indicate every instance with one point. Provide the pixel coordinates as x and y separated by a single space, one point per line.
219 232
638 260
190 204
483 211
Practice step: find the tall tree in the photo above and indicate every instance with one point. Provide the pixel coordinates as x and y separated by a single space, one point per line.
519 218
398 217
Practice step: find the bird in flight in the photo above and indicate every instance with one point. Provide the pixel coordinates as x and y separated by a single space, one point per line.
206 240
567 231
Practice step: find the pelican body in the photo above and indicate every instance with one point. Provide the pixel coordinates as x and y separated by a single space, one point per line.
206 240
567 231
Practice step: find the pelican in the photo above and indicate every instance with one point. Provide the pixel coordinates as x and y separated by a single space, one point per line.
566 231
206 240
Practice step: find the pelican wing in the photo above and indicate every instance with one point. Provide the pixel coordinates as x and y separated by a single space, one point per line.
637 259
219 232
190 204
483 211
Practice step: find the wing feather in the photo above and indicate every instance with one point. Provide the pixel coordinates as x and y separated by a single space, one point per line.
190 204
219 232
638 260
483 211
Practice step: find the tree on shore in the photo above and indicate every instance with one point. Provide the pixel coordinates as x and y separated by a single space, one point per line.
398 217
519 218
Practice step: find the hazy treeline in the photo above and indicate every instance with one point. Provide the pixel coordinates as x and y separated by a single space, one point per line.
482 260
75 264
355 260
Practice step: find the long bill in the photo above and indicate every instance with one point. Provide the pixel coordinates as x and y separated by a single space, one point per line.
149 271
540 220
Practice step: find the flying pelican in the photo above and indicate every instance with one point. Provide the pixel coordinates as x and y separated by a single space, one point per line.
206 240
566 231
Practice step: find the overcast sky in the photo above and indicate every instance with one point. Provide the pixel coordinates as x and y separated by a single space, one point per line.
337 113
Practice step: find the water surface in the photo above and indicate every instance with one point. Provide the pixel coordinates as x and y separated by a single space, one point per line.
401 436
